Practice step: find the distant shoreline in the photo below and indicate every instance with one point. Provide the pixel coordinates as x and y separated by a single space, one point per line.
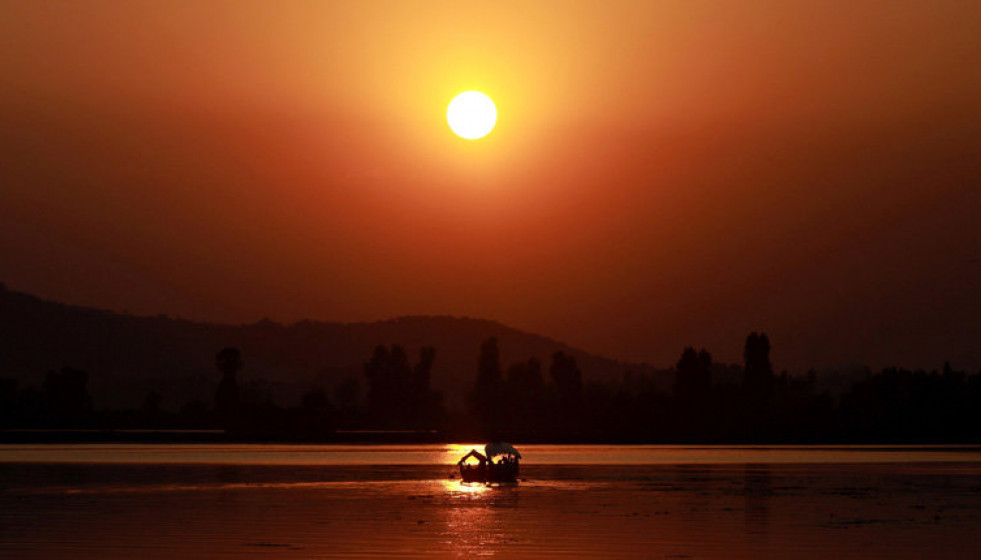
379 437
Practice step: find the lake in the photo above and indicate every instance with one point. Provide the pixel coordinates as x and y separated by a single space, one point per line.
301 501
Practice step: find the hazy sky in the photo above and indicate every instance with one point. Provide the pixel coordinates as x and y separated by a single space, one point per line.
662 174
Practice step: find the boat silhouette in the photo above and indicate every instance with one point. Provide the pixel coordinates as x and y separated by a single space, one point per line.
488 470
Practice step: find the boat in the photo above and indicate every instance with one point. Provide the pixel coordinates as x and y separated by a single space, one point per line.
499 463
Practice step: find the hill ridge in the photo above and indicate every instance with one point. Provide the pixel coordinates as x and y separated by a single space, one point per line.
128 354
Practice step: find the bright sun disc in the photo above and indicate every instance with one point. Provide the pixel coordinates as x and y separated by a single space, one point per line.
471 115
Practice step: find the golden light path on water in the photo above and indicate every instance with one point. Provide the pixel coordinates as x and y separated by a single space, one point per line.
473 519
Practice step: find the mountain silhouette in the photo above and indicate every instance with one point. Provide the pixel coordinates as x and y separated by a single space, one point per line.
126 355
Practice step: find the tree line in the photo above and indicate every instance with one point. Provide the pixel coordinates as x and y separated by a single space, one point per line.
531 401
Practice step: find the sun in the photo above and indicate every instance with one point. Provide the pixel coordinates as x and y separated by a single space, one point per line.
471 115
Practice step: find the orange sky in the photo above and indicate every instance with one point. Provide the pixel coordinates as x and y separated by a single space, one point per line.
662 173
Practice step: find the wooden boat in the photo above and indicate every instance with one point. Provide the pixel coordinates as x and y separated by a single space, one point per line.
487 470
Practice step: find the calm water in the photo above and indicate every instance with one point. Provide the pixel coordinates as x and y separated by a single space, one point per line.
97 501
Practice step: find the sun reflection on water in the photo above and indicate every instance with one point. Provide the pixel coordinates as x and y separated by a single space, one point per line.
475 519
458 489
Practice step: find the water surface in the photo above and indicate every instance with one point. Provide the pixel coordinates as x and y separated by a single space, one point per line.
128 500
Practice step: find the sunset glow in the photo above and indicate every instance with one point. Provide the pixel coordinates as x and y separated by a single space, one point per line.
693 279
656 177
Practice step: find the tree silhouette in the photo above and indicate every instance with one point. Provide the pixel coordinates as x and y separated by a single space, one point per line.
710 402
525 389
489 365
427 409
526 377
693 394
757 369
150 414
567 380
399 395
9 402
422 372
229 363
486 400
315 415
693 375
566 376
66 396
151 403
382 393
315 399
347 393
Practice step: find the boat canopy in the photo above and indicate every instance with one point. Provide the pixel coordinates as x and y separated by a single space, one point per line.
473 453
500 448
